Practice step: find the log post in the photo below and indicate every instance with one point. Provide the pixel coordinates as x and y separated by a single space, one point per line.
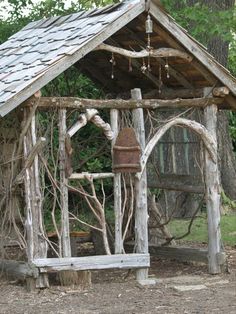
65 228
119 248
212 197
36 243
67 278
141 211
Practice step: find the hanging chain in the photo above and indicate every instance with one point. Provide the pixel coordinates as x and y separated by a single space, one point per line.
167 68
130 65
160 79
113 63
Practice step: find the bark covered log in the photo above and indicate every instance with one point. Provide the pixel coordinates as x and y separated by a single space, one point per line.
80 103
212 197
119 246
153 53
36 242
141 210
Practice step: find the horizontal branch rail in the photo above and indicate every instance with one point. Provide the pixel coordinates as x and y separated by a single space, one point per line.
80 103
120 261
180 253
153 53
174 187
85 175
172 93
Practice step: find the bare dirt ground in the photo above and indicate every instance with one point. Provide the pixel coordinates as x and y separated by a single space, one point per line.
115 292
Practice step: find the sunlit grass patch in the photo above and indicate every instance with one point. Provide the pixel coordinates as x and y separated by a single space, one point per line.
198 233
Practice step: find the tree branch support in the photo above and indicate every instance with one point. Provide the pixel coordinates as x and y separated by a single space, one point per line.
153 53
141 211
213 197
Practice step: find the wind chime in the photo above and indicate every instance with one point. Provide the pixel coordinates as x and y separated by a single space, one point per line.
113 63
145 67
149 31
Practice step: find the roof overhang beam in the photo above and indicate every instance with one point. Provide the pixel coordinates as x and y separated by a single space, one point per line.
80 103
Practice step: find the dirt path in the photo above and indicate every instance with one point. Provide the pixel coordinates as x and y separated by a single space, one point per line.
111 292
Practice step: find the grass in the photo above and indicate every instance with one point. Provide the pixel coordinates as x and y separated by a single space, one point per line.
199 229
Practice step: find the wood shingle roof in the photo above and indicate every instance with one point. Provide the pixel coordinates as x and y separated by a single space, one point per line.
44 49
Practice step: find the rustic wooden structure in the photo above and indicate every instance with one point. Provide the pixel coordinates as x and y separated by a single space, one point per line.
183 76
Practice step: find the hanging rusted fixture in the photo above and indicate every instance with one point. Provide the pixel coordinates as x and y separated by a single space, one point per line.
126 152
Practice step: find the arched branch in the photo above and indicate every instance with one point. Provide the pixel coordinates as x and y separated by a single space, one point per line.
91 115
198 128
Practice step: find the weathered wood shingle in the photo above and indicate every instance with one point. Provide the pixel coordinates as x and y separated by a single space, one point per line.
28 57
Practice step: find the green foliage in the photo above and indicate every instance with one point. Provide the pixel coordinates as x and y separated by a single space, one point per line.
15 14
91 149
72 83
199 229
232 55
204 23
227 202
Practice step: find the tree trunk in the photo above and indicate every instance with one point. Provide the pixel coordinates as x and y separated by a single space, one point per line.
218 47
227 162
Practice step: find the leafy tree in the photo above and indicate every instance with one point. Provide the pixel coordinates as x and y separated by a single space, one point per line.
213 23
209 21
14 14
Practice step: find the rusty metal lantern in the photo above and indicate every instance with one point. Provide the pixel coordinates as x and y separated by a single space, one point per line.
126 152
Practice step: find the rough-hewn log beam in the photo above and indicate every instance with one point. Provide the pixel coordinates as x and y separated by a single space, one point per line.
84 175
231 100
121 261
173 93
181 253
185 93
65 226
212 197
119 245
220 91
141 210
174 187
153 53
79 103
36 243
